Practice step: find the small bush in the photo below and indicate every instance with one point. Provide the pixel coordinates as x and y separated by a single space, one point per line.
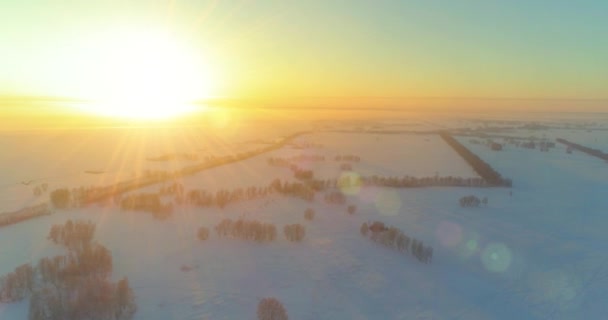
73 234
294 232
203 233
309 214
351 209
471 201
395 239
246 230
346 167
17 285
364 229
148 202
335 197
271 309
60 198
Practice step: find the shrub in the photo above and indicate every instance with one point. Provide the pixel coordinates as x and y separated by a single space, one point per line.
9 218
335 197
395 239
85 298
302 174
271 309
470 201
351 209
203 233
148 202
72 286
17 285
309 214
482 168
93 261
294 232
377 226
364 229
60 198
346 167
74 235
246 230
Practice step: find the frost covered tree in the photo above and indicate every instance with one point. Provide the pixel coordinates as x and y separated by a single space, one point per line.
60 198
74 286
351 209
17 285
364 229
309 214
470 201
294 232
395 239
203 233
271 309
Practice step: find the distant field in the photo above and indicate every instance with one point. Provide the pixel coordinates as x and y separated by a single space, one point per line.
384 155
390 154
62 158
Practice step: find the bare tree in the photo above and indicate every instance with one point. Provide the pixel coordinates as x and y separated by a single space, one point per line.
271 309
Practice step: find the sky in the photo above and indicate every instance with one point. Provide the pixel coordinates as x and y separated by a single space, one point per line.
271 49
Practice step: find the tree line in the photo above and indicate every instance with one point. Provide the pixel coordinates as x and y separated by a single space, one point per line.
393 238
252 230
347 157
40 189
8 218
590 151
147 202
289 161
294 232
305 189
64 198
246 230
222 198
483 169
153 177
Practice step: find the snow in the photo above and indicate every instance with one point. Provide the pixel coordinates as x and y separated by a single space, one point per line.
410 154
417 155
61 158
538 254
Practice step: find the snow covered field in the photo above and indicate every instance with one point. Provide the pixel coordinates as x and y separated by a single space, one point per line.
539 253
62 158
381 154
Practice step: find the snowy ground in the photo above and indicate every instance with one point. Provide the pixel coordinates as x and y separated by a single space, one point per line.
538 254
62 158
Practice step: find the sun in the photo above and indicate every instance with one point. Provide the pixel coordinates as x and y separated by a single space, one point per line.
145 74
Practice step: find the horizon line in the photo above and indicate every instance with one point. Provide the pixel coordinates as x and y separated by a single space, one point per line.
283 98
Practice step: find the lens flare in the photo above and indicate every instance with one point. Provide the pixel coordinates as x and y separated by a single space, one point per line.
496 257
556 286
350 183
388 203
449 233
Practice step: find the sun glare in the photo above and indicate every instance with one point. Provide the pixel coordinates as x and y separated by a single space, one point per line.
145 74
144 110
